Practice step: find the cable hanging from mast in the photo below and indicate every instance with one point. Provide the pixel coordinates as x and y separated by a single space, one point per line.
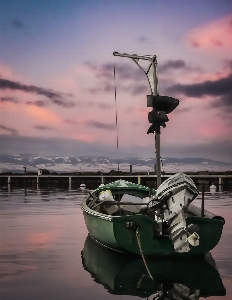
116 112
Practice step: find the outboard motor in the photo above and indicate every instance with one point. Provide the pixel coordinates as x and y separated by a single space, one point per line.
172 199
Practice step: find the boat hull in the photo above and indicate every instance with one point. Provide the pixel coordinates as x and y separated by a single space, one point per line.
113 232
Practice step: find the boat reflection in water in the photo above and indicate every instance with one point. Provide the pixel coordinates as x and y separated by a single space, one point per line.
123 274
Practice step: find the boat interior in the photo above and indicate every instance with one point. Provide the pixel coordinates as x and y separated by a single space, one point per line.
123 204
118 204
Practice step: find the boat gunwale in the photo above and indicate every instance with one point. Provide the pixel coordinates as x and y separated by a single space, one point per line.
112 218
95 213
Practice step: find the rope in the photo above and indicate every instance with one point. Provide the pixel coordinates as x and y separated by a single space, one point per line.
141 252
116 111
162 166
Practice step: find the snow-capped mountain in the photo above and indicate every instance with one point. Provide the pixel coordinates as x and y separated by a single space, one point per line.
16 163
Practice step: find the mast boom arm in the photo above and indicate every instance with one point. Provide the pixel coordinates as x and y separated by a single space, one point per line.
151 58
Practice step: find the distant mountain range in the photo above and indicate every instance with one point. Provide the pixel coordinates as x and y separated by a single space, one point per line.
15 163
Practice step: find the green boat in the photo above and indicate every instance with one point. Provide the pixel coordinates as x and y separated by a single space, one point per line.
131 222
129 217
179 279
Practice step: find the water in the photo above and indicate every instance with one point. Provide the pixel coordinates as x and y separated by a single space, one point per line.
42 235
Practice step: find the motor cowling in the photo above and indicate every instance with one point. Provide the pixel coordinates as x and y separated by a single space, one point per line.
173 197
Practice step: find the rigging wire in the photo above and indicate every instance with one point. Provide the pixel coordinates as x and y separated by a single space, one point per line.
116 112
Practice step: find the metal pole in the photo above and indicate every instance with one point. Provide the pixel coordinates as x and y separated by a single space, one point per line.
157 136
203 201
158 165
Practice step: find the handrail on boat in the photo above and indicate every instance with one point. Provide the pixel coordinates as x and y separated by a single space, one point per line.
118 203
121 203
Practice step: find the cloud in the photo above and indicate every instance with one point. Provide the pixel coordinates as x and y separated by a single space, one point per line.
9 99
53 146
100 125
38 103
104 106
54 97
228 64
92 123
219 149
43 114
105 87
10 130
127 78
183 110
39 127
172 64
17 23
178 64
221 87
139 89
225 103
213 35
123 71
216 149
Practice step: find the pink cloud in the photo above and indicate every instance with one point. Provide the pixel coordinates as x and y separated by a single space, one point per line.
197 124
216 35
84 137
40 113
201 77
213 130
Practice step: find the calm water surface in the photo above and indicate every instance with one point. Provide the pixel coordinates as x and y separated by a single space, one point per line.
45 254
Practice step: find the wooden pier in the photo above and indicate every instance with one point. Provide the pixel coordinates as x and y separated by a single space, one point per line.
222 181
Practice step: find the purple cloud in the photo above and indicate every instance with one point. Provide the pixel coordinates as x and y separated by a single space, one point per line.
9 99
176 65
38 103
123 71
12 131
219 87
54 97
92 123
101 125
39 127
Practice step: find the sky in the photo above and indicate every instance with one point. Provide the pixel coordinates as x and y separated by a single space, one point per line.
57 86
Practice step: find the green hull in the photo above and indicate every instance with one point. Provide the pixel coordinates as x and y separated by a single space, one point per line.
112 231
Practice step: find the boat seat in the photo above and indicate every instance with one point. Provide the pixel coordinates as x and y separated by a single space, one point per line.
109 209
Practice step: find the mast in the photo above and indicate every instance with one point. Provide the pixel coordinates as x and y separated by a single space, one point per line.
153 83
